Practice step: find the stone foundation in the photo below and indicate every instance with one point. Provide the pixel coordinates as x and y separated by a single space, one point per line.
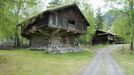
56 50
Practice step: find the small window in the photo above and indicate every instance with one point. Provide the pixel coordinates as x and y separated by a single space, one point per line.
54 19
60 20
71 21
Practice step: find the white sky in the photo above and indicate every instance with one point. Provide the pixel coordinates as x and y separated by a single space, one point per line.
95 4
105 6
44 3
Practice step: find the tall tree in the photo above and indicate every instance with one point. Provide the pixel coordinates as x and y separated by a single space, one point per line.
19 7
99 19
11 12
54 3
129 11
87 10
131 19
121 27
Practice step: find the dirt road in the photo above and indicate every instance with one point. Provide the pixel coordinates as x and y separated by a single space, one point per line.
103 63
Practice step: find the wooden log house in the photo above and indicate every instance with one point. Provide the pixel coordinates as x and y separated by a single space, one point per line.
56 30
102 37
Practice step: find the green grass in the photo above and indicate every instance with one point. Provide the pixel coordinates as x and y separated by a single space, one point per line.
126 59
27 62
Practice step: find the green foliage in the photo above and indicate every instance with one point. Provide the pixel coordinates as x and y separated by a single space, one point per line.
109 18
128 9
91 29
6 21
54 3
99 20
121 27
11 13
124 23
57 3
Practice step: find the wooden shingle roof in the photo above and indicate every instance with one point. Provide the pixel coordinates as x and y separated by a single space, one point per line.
33 18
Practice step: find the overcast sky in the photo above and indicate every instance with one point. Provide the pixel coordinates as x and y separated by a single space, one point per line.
95 4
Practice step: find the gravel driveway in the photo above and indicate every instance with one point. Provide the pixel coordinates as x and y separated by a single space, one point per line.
103 63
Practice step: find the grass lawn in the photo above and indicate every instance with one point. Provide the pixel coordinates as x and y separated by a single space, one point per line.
27 62
126 59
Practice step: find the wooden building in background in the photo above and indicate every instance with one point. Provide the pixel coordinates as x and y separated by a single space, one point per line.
56 30
102 37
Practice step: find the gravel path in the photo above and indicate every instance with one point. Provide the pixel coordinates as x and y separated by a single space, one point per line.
103 63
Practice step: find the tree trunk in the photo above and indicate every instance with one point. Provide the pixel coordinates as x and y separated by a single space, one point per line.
131 45
16 35
16 40
131 37
131 23
131 40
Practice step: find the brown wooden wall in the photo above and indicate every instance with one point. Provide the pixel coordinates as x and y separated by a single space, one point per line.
68 19
39 41
72 13
46 39
59 19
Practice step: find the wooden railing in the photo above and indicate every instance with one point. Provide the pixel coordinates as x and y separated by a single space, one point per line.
71 28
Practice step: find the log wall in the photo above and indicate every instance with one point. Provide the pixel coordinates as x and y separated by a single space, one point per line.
56 31
60 19
53 43
39 41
